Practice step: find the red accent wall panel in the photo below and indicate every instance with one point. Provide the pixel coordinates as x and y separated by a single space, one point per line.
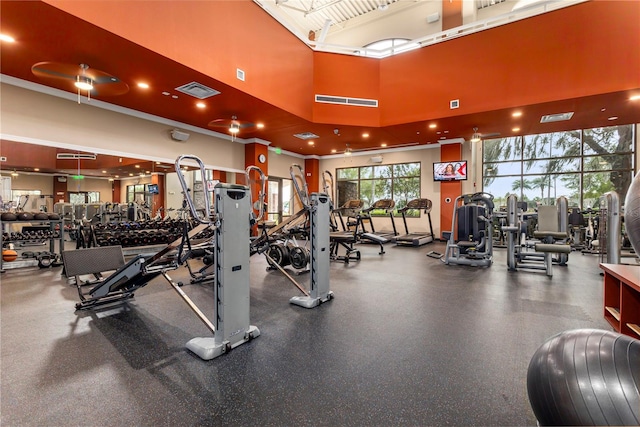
236 34
347 76
312 174
521 64
451 14
449 190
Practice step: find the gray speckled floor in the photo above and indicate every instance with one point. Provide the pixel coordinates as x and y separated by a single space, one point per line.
406 341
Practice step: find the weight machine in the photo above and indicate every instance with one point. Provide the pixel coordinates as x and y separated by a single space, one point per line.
472 218
315 215
230 221
552 235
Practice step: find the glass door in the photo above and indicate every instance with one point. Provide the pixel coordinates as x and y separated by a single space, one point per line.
274 205
279 199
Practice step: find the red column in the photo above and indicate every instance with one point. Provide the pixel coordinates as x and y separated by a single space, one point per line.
312 174
451 14
449 190
157 199
255 155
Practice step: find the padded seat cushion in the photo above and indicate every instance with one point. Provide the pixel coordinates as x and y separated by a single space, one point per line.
550 247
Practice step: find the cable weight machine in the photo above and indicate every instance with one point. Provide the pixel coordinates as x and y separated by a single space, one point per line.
232 218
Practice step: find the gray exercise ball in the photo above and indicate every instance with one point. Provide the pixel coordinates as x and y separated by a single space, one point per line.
632 213
586 377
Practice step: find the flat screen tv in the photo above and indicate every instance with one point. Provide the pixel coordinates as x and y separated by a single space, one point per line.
450 171
153 189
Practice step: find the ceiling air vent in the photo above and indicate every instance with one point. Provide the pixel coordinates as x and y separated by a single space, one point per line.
343 100
556 117
197 90
306 135
75 156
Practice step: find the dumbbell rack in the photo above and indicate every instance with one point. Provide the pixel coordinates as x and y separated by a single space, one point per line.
20 262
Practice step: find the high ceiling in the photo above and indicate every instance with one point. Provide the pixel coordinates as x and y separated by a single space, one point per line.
45 33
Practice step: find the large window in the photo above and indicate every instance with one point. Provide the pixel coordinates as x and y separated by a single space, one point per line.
581 165
400 182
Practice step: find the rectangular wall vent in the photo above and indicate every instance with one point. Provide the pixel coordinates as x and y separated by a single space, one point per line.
306 135
556 117
75 156
3 159
343 100
239 74
197 90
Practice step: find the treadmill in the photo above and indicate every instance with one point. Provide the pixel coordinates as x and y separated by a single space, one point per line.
416 239
379 236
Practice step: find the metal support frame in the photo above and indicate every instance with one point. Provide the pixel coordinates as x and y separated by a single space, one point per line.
319 289
232 217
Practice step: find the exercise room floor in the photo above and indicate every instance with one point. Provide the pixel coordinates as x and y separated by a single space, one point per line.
406 341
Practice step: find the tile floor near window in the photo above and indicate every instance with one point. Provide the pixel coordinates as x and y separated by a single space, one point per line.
406 341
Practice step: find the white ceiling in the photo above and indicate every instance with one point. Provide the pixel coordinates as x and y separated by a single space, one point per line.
346 26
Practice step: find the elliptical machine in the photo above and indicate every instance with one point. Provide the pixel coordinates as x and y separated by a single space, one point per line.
472 218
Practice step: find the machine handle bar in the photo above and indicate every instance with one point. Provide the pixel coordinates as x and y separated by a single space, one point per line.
185 188
303 194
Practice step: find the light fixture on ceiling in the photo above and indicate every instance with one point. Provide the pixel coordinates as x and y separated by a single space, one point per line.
347 150
14 173
7 38
83 82
476 137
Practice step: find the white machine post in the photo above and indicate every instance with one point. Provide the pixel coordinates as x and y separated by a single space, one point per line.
231 219
231 260
319 290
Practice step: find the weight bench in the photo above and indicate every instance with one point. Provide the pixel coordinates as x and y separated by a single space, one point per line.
118 286
346 239
127 278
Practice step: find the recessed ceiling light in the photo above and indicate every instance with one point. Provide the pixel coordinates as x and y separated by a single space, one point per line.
157 163
516 114
383 144
36 169
200 105
174 96
446 131
515 129
104 171
438 132
603 109
260 125
418 133
142 85
613 118
634 98
117 176
137 166
311 143
110 179
6 38
130 174
333 150
165 93
365 135
432 126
